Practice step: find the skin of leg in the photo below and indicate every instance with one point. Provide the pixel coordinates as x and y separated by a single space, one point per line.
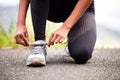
82 38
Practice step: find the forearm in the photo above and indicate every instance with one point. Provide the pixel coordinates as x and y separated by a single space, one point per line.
22 11
77 12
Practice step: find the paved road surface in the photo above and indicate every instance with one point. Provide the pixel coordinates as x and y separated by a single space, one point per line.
105 65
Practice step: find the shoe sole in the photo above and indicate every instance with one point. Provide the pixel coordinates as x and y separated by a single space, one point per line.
36 62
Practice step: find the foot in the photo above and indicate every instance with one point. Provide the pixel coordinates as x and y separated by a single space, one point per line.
37 55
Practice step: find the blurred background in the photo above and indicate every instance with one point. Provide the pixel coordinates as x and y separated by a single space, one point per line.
107 20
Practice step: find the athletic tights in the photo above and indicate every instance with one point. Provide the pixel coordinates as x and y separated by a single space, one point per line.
82 36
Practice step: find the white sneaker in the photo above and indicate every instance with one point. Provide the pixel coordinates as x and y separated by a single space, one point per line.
38 54
67 51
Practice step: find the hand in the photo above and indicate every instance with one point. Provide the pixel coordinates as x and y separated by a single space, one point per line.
58 35
21 35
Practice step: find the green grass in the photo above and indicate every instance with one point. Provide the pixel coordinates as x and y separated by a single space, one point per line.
7 37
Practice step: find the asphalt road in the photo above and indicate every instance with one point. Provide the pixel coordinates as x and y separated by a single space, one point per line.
104 65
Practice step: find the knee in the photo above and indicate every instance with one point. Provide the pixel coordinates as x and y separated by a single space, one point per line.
81 56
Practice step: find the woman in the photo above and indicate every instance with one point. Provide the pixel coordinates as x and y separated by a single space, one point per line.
78 25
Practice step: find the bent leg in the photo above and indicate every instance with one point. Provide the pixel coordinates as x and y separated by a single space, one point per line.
82 38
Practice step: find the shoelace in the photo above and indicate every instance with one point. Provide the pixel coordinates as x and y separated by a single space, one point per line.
38 49
43 44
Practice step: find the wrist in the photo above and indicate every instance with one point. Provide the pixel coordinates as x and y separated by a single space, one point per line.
20 24
66 26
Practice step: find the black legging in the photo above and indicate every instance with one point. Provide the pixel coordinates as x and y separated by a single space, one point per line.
82 36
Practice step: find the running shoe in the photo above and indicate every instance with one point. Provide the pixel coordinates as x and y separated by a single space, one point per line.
38 54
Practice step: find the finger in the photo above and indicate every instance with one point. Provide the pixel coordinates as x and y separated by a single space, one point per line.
19 40
52 39
24 39
49 42
62 39
26 35
58 39
22 43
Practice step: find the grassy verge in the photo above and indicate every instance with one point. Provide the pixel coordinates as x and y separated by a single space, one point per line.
6 36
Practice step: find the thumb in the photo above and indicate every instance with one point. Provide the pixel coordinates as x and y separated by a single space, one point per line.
27 36
25 39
